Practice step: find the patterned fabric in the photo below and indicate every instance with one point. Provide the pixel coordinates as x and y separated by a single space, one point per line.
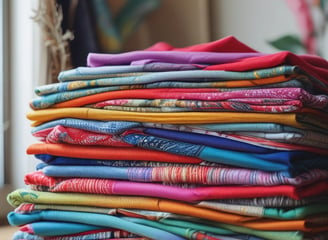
307 119
88 73
102 220
116 187
211 141
192 174
95 80
309 100
60 134
19 196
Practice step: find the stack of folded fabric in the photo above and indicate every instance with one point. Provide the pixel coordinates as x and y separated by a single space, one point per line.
211 141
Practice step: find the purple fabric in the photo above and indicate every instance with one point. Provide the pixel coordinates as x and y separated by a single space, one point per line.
103 59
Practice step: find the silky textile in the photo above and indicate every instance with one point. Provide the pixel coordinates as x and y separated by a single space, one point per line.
211 141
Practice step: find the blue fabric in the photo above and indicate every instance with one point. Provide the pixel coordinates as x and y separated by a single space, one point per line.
208 140
108 127
210 154
19 235
107 71
48 228
56 160
89 171
102 220
248 127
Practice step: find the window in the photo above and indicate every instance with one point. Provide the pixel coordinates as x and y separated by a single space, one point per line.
3 91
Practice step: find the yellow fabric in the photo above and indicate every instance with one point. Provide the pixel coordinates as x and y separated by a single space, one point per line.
41 116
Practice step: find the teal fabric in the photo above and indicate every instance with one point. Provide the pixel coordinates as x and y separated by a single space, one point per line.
101 220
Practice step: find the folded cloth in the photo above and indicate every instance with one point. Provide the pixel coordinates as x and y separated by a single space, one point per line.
103 59
305 62
305 119
83 79
172 105
276 161
62 160
313 65
109 127
276 213
88 73
188 83
186 174
101 220
108 153
171 152
52 228
28 196
188 194
291 135
224 133
95 95
45 230
274 202
169 219
60 134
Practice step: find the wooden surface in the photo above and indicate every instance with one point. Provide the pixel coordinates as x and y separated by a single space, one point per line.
6 232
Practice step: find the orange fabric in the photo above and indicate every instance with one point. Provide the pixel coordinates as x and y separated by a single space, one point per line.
108 153
251 82
156 204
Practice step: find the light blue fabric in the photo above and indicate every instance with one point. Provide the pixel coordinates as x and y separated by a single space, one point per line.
110 71
101 220
108 127
52 228
154 77
87 171
19 235
248 127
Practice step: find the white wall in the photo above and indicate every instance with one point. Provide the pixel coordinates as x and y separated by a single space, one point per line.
254 22
23 61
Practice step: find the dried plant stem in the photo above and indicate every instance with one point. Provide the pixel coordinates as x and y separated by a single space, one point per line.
49 16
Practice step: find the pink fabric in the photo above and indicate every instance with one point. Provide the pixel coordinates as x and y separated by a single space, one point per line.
116 187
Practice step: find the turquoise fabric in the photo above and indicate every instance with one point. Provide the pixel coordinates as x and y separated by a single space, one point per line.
101 220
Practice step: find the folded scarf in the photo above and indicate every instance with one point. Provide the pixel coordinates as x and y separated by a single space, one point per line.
167 218
108 153
270 75
304 119
218 135
94 95
102 59
172 105
190 194
292 135
186 174
90 218
61 134
109 127
89 73
311 64
19 196
209 83
62 160
45 228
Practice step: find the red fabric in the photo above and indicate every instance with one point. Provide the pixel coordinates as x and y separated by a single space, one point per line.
108 153
227 44
311 64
